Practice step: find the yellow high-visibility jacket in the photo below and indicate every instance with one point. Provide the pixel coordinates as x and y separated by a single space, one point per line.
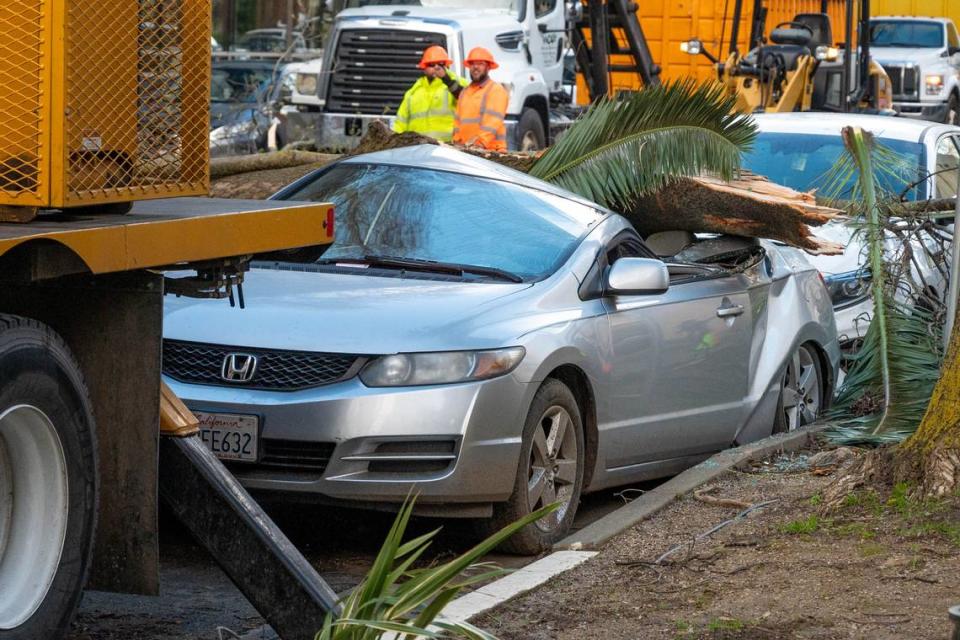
428 108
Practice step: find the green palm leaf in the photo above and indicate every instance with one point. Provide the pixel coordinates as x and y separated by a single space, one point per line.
890 380
394 598
636 143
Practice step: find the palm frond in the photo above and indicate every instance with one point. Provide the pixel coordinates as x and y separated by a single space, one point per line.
393 598
890 380
636 143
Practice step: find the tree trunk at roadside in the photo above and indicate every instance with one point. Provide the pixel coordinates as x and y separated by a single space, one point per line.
932 454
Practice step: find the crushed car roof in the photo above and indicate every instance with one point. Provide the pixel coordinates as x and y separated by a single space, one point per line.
445 158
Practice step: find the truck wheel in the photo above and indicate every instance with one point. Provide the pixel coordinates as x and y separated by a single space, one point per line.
953 110
48 481
530 131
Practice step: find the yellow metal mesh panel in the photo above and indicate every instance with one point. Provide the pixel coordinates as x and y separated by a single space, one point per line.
137 99
22 105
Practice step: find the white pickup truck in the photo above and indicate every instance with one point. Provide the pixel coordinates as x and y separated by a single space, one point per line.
374 47
922 58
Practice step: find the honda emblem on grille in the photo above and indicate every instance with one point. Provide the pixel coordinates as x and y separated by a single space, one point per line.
238 367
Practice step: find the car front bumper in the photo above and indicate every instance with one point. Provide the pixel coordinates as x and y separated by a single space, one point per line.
453 443
934 111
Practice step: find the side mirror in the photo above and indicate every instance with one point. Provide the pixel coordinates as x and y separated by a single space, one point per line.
637 276
574 11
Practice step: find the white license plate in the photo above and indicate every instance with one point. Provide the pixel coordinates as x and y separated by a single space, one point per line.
228 436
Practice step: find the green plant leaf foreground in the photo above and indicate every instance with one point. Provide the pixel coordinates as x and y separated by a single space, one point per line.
393 599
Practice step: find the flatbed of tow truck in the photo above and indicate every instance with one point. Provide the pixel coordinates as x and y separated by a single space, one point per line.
83 458
166 232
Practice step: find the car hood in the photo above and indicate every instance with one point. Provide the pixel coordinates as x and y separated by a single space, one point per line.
343 313
923 57
839 232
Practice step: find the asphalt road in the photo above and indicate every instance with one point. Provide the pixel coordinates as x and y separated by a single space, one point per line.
198 601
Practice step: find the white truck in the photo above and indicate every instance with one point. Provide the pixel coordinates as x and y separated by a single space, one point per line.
922 58
375 45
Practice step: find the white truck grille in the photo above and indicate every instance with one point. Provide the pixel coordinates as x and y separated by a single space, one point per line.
374 68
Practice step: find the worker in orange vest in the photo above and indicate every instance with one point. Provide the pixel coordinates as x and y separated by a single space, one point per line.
481 106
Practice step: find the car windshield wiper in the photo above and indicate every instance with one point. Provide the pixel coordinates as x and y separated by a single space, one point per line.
432 266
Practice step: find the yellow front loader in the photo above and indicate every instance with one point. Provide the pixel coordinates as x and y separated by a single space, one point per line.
800 68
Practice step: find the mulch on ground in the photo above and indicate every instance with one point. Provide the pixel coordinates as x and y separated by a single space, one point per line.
885 565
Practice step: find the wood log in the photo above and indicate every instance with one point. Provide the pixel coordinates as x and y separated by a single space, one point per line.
749 206
223 167
17 214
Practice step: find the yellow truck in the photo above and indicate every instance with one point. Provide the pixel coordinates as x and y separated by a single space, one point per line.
103 134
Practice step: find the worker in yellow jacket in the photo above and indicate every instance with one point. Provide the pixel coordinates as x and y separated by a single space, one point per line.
429 105
482 106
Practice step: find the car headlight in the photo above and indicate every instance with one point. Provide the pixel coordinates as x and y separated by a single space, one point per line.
934 84
848 289
233 130
445 367
307 84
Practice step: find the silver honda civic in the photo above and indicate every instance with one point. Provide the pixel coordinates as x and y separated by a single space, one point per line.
497 344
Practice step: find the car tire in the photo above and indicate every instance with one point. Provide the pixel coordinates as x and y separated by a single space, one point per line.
802 392
554 411
953 110
530 133
48 481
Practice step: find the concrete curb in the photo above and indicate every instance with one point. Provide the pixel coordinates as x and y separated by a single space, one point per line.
597 533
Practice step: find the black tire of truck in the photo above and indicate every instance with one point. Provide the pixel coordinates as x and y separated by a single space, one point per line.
953 110
530 133
44 407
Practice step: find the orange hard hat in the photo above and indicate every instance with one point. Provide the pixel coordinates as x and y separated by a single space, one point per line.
433 55
479 54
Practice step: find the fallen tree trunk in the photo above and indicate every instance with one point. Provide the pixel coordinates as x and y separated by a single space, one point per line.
223 167
748 206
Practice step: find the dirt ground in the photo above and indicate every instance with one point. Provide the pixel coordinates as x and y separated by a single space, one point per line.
883 566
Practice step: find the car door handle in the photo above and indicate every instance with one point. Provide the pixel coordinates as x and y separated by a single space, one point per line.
730 312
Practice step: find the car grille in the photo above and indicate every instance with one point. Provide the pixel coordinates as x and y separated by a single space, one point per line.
275 370
904 81
294 454
375 67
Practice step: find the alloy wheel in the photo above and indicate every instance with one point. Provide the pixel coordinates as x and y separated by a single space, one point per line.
553 466
802 390
33 511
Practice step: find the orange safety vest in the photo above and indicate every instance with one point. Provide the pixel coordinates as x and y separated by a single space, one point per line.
480 113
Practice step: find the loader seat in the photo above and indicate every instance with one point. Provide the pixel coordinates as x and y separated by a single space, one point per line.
819 23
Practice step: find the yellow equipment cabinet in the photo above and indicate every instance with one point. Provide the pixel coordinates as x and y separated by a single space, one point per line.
103 101
927 8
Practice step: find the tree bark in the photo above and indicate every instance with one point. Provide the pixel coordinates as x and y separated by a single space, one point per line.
932 453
